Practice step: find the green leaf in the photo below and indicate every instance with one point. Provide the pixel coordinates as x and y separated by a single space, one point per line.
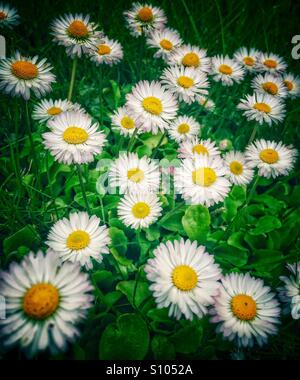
26 236
172 221
136 292
127 339
266 224
162 348
152 233
196 221
225 253
187 339
118 240
236 240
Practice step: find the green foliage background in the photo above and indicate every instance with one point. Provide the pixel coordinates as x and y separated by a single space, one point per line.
259 235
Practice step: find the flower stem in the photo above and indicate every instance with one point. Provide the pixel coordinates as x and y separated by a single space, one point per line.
131 141
32 147
83 188
72 81
159 144
253 134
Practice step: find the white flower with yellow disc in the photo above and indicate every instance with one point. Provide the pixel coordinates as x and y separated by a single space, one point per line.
108 52
195 147
139 210
165 41
247 58
292 85
271 63
79 239
183 128
262 108
226 70
184 278
191 56
185 83
49 109
201 180
269 84
21 75
246 311
45 301
271 158
74 138
152 106
238 170
133 174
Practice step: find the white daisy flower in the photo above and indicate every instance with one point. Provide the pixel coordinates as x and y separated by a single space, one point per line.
269 84
50 109
79 239
271 158
123 122
165 40
201 180
133 174
183 128
206 103
20 75
73 138
292 85
190 56
152 106
184 278
109 52
144 18
289 294
76 33
262 108
226 70
44 302
8 16
238 171
247 58
185 82
270 63
139 210
190 148
245 309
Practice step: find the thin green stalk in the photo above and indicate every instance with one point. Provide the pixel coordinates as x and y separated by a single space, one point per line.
50 185
83 188
33 151
221 24
131 141
192 21
101 93
102 210
159 144
253 134
72 81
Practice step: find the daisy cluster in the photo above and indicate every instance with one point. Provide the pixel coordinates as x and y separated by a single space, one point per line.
48 295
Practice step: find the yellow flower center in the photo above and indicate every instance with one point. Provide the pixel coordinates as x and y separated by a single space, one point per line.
270 156
24 70
236 168
3 16
262 107
270 63
184 278
40 301
78 29
152 105
54 111
75 135
204 177
289 85
249 61
127 122
225 69
243 307
103 49
145 14
166 44
135 175
200 149
140 210
191 59
78 240
183 128
185 82
270 88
